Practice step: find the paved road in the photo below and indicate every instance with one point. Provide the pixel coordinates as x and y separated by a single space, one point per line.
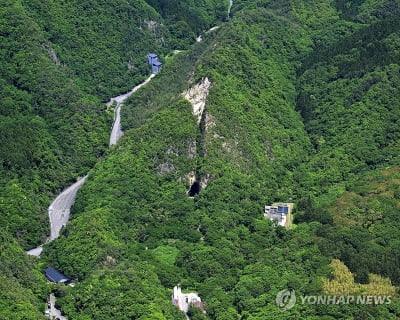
35 251
52 311
60 208
116 132
59 211
229 8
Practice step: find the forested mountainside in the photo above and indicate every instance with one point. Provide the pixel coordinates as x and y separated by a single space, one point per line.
301 106
60 61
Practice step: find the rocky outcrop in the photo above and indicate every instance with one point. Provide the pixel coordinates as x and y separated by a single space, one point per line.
204 180
52 54
192 149
210 122
197 96
191 177
165 167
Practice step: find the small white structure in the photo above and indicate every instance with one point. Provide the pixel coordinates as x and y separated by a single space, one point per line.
184 300
278 212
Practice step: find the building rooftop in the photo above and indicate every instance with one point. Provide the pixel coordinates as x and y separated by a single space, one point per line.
184 300
55 276
280 212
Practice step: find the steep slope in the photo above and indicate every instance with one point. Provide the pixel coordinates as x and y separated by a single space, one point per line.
106 236
103 43
186 19
363 233
23 287
249 149
348 98
60 60
289 106
51 131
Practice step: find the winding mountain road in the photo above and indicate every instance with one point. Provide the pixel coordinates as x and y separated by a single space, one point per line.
116 132
52 311
59 209
230 8
35 251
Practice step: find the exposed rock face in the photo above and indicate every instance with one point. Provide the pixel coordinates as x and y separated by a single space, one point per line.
197 96
156 29
110 261
52 54
191 177
210 122
192 149
165 167
151 25
204 180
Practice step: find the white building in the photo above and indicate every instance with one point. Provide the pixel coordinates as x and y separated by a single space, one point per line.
278 212
184 300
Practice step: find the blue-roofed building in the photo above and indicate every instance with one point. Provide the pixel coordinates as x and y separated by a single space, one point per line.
152 57
55 276
283 208
156 66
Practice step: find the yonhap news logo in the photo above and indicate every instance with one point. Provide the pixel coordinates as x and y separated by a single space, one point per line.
286 299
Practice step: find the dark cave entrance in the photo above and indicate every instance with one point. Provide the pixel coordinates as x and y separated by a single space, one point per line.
194 189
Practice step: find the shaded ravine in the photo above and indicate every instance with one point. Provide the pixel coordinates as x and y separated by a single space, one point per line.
59 209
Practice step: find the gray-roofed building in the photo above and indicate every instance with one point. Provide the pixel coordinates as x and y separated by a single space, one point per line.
152 60
152 57
156 66
55 276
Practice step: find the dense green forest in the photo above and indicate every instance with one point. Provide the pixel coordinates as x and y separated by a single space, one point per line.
303 107
60 61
